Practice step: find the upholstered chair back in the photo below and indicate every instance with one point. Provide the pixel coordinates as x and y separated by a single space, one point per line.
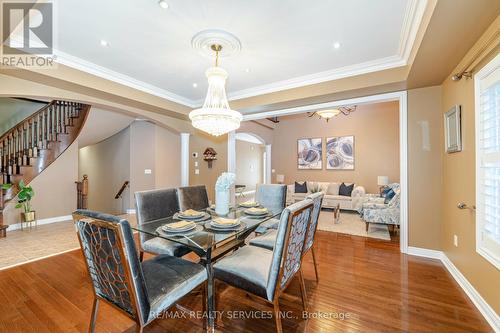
317 199
288 247
192 197
114 268
153 205
271 196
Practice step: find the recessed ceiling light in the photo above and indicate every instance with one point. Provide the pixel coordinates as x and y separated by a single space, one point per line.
163 4
336 45
195 85
247 70
104 43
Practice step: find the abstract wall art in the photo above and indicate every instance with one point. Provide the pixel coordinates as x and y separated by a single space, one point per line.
340 153
310 154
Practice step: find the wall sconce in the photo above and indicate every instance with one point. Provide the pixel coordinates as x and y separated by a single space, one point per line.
209 155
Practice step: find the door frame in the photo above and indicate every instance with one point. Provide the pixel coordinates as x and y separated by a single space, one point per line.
401 97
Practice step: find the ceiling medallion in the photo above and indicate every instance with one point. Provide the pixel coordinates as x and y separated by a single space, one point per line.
203 41
215 116
330 113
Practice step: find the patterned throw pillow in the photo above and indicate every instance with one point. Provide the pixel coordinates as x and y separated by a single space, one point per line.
301 188
346 190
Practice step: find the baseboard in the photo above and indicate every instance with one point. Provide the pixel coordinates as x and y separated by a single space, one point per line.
49 220
426 253
484 308
130 211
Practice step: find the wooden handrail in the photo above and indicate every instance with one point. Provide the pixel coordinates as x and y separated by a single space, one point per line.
124 186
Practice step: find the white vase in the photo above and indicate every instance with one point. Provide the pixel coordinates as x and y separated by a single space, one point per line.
222 202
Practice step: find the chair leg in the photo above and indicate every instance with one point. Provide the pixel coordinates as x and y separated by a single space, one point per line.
93 317
315 264
277 316
367 224
138 328
141 255
303 290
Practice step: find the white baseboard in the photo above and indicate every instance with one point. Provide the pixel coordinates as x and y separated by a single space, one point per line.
486 310
49 220
130 211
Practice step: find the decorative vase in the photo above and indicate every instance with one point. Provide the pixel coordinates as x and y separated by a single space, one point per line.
222 202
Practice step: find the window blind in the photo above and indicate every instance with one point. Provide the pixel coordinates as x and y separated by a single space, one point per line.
488 163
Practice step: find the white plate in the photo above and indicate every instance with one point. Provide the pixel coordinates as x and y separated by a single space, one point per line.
249 212
249 206
171 230
224 226
191 217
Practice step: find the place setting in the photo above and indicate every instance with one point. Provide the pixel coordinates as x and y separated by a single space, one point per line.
192 215
181 228
222 224
256 212
249 204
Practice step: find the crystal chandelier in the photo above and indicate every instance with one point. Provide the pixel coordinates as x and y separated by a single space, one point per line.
215 116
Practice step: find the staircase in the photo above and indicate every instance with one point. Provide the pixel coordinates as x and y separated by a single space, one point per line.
33 144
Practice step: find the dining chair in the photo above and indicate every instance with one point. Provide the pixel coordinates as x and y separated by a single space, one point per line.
265 273
143 291
192 197
154 205
268 239
272 197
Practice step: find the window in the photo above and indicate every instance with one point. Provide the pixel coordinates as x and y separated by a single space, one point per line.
487 94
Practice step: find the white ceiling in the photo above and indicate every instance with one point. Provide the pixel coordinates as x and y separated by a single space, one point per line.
284 43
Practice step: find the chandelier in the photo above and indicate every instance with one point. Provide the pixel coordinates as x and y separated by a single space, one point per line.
215 116
330 113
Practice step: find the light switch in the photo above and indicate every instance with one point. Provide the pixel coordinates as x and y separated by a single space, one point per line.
196 163
196 171
147 171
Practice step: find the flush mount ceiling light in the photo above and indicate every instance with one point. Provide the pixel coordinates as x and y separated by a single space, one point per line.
104 43
336 45
215 116
330 113
163 4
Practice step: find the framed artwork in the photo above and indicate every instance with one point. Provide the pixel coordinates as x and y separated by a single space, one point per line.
453 130
310 154
340 153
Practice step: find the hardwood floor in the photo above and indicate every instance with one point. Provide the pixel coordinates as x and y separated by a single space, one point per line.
367 281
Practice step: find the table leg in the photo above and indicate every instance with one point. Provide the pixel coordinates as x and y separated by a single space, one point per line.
210 293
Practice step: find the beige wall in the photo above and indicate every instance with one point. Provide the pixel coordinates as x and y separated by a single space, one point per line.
107 166
55 190
167 162
376 143
207 176
459 186
249 168
425 146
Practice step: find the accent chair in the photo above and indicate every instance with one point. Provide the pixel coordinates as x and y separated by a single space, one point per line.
154 205
141 290
192 197
267 273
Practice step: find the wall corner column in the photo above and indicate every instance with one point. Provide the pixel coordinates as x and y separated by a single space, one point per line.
185 159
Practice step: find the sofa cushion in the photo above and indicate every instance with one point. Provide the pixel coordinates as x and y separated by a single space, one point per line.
301 187
333 189
337 197
299 196
345 189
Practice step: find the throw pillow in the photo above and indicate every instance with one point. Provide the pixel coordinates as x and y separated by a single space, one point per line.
346 190
389 195
385 191
301 188
333 189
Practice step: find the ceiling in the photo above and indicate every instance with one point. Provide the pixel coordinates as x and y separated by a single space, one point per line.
285 44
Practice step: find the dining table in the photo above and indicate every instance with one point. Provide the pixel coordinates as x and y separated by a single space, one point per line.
209 243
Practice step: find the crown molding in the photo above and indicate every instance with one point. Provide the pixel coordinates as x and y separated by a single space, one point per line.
412 19
108 74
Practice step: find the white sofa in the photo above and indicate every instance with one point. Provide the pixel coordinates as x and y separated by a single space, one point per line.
332 197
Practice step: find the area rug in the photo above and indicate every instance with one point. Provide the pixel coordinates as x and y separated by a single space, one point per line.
352 224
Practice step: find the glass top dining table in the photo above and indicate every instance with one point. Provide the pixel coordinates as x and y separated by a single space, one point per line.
209 243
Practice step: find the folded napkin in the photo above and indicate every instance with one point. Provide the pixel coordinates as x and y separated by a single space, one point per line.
224 221
249 203
190 212
257 210
179 225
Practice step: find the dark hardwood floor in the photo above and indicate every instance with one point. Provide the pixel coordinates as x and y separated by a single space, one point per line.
365 281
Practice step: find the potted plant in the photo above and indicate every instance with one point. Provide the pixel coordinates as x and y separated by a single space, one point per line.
24 197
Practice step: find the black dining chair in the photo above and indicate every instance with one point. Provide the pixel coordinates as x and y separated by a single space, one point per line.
192 197
143 291
154 205
267 273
